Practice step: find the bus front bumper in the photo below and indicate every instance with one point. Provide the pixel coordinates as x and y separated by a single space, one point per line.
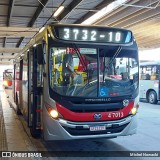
66 130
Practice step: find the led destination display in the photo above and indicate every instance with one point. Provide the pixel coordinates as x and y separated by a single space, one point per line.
93 34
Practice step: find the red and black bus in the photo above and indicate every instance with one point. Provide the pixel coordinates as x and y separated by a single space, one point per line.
76 82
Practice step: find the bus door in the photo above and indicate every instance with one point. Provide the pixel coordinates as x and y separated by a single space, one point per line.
14 81
35 93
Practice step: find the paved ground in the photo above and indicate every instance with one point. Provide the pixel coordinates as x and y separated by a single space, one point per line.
147 139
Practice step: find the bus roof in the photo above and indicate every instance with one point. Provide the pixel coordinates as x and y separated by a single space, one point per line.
151 63
127 40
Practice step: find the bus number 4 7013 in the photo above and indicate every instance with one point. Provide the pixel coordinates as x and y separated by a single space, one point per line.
115 115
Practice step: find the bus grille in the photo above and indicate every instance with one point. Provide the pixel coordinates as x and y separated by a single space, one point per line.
85 131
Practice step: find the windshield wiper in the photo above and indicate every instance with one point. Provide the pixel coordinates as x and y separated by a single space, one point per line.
115 55
80 56
112 60
84 64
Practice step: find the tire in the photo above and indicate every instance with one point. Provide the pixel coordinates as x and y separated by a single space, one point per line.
36 133
152 97
18 111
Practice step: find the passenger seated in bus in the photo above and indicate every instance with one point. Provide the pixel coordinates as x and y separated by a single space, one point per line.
124 75
153 76
142 75
148 76
67 69
92 71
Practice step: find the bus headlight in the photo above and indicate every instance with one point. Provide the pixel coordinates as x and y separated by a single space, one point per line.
135 107
5 83
53 113
133 111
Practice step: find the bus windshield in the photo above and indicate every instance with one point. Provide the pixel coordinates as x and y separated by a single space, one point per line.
92 72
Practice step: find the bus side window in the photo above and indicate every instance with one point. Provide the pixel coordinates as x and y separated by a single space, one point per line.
143 77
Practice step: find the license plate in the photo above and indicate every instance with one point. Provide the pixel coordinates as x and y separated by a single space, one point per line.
97 128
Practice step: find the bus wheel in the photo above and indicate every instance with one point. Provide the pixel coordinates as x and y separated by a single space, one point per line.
18 111
152 97
36 133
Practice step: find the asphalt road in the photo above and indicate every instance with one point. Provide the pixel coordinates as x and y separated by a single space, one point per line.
146 139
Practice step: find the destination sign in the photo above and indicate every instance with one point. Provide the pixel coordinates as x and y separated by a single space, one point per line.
93 34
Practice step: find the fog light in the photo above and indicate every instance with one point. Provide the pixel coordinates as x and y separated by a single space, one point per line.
134 110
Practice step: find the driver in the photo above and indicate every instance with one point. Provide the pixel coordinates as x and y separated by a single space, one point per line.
67 69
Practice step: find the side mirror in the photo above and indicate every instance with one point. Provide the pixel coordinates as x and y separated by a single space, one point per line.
40 53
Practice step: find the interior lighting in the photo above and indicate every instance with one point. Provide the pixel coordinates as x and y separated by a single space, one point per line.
104 11
58 11
59 51
34 45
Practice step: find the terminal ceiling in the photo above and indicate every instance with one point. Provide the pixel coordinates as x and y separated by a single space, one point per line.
20 20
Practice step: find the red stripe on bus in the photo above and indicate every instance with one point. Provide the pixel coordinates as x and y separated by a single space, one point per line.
38 110
89 117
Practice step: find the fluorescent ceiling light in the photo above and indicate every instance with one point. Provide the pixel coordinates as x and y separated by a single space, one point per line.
34 45
58 11
59 51
104 11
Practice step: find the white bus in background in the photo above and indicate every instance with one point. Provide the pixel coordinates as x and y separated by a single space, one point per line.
149 81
